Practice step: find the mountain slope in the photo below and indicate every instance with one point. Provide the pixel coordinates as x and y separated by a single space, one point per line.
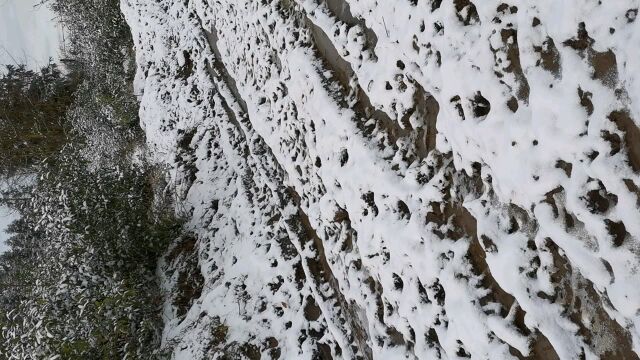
420 179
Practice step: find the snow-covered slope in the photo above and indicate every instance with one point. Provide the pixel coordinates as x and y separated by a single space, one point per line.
397 178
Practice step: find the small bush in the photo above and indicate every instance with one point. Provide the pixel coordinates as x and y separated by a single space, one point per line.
33 122
97 294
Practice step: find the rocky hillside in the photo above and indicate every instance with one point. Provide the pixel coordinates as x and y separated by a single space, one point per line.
378 179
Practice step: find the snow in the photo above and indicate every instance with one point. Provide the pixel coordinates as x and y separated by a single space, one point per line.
28 33
259 119
6 218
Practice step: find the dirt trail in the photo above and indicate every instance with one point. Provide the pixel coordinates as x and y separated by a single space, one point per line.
212 40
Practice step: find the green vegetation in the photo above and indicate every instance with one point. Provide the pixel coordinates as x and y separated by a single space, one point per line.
33 118
82 264
79 281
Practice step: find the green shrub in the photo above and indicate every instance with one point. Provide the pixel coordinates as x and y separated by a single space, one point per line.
97 295
79 281
33 121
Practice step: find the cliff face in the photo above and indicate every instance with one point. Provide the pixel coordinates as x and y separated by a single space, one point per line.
397 179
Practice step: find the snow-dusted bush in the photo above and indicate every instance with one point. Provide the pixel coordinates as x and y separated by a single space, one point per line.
85 251
33 121
99 46
79 280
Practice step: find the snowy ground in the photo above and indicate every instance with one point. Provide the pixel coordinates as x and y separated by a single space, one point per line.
397 179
